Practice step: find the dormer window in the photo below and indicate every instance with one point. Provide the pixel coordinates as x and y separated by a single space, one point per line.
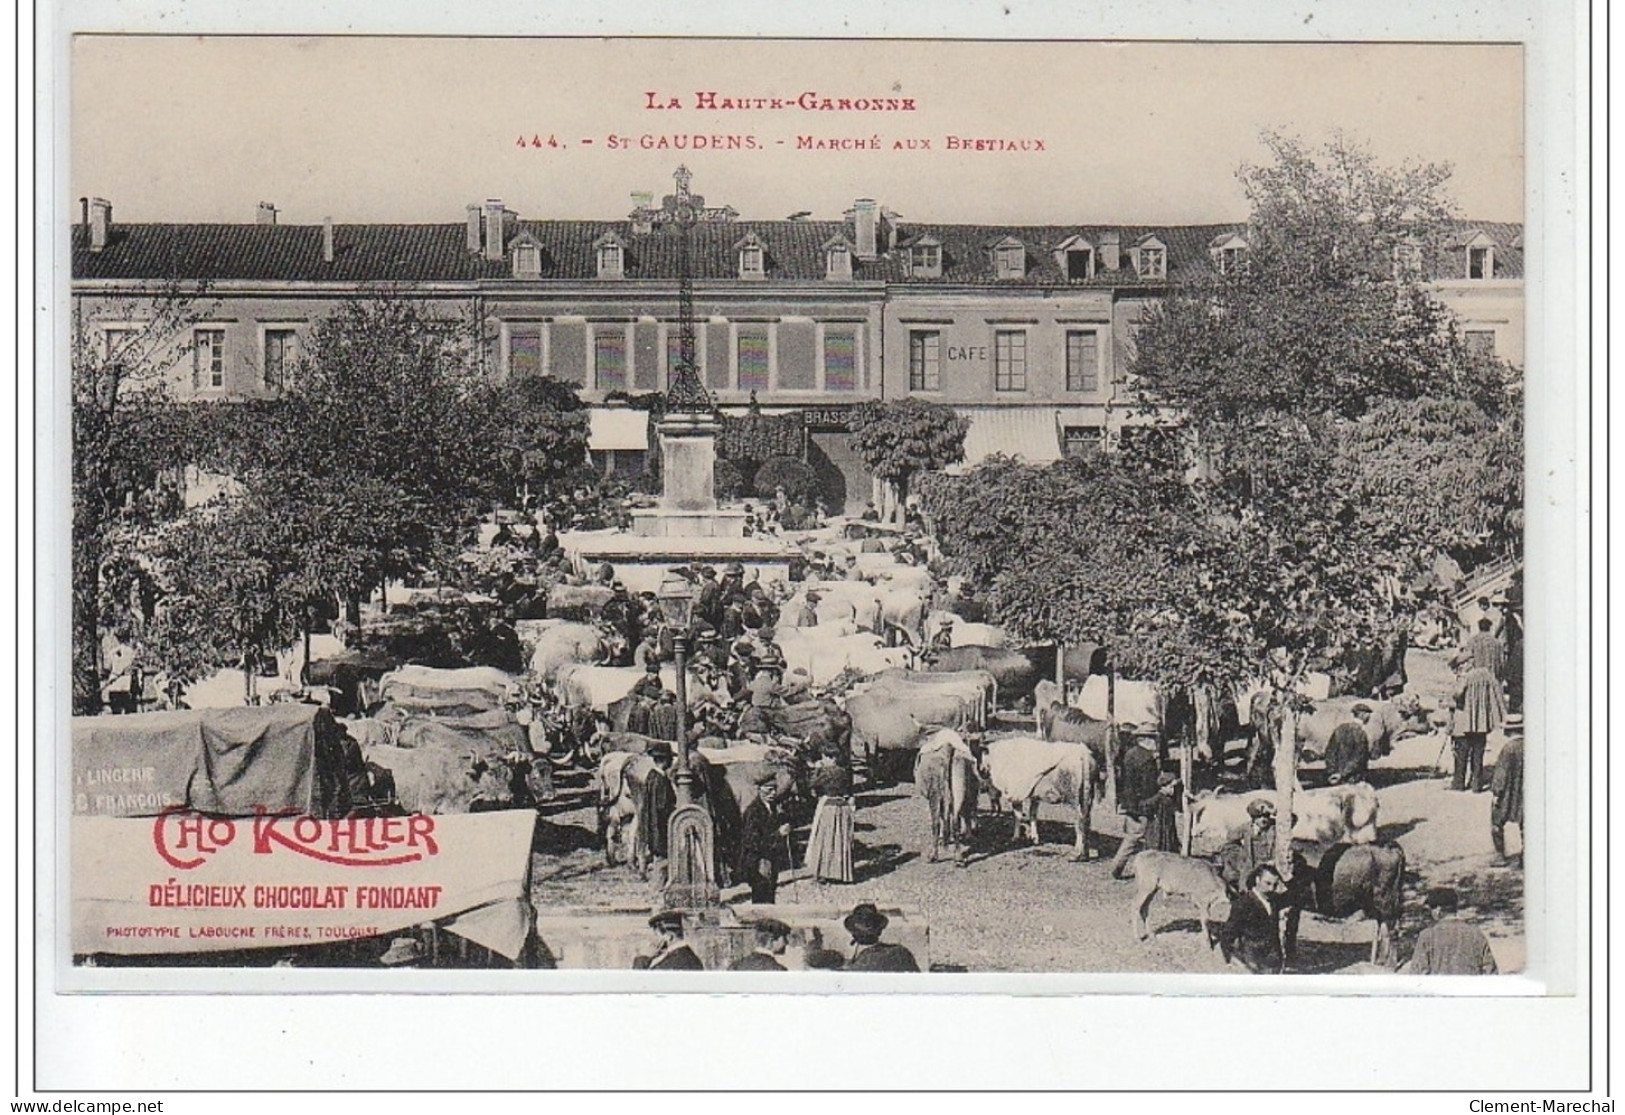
1407 261
1151 259
1229 254
611 257
752 258
1009 259
838 259
1075 256
527 259
925 259
1480 262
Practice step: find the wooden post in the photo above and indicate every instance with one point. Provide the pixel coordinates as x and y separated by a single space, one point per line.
1186 769
1113 743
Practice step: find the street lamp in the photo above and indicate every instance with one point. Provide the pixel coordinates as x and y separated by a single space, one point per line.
690 836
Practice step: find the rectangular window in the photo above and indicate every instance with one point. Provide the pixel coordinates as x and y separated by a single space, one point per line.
118 341
924 361
1010 360
753 360
1080 264
1153 263
1082 441
750 262
1083 360
524 351
609 359
209 358
1478 263
840 360
1010 261
280 353
926 260
1480 342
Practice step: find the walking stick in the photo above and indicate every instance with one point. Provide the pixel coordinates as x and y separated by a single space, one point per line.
795 878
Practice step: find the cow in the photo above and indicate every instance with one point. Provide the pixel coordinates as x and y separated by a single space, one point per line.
1325 816
902 613
1016 670
1350 878
442 780
565 644
1179 877
1389 723
1026 771
885 722
581 603
1122 700
945 776
977 687
730 779
496 739
963 633
619 783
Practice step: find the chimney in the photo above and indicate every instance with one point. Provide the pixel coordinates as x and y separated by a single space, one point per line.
642 218
473 228
327 239
493 229
265 214
889 222
101 222
865 218
1111 250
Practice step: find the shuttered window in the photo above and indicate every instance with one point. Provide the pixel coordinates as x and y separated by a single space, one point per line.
1082 360
609 358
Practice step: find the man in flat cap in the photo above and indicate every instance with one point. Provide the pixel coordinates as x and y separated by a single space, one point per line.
865 924
672 954
772 936
1249 849
1348 752
1450 947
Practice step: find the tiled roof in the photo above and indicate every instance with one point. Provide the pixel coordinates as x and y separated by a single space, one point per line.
406 253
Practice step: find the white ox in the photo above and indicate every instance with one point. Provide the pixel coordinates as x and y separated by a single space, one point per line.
854 600
598 687
1025 771
824 659
563 645
1334 814
964 633
1134 702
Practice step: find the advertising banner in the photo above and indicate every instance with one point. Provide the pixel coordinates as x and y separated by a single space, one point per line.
183 882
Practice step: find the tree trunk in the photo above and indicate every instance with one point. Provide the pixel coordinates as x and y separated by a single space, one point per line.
352 609
87 643
1286 777
1186 771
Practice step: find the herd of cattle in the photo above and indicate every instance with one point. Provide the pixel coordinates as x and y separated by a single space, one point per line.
893 682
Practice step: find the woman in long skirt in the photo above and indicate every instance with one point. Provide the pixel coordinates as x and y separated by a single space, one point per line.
829 844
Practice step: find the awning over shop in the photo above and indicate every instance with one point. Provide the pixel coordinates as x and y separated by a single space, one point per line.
1025 432
617 428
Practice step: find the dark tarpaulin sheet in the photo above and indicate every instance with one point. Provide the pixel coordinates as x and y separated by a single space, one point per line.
283 758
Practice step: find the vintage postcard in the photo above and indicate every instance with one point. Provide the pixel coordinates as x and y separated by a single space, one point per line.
546 506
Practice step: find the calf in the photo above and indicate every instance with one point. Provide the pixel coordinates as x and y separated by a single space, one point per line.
1179 877
1366 879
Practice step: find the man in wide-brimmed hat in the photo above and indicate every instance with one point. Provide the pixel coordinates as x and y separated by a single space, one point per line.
403 952
1140 794
865 924
672 954
764 842
1506 788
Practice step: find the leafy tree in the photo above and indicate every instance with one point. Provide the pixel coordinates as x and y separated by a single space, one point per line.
796 477
899 439
129 438
536 435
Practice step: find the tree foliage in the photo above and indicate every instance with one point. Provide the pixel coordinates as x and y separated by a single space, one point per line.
129 440
1339 427
795 476
898 439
